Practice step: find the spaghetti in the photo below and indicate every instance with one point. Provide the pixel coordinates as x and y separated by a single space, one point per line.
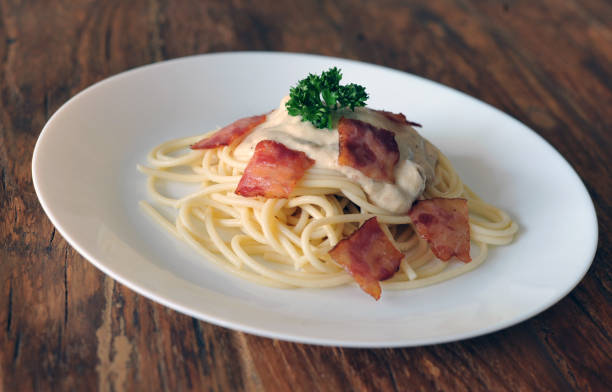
286 242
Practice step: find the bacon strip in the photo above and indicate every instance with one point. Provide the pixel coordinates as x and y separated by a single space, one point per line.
398 118
273 171
228 134
371 150
444 224
369 256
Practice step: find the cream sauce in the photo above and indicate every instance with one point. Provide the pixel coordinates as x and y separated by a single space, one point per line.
415 167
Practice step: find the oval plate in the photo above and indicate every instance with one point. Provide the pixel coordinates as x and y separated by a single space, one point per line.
84 170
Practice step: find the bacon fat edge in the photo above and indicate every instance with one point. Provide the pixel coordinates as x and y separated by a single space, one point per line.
228 134
398 118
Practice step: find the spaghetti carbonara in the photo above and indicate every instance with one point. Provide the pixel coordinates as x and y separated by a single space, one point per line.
286 241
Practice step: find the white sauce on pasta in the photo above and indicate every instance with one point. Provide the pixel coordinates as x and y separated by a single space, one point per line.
416 165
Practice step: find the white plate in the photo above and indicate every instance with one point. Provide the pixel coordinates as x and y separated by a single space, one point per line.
84 171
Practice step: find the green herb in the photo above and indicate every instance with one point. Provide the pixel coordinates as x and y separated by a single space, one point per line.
316 97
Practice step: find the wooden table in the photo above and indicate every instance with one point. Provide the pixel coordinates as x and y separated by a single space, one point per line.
66 326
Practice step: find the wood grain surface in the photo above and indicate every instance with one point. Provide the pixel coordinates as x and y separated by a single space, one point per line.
66 326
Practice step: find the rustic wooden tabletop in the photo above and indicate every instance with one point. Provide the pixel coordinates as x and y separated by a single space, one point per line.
64 325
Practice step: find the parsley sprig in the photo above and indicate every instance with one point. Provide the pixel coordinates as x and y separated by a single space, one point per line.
316 97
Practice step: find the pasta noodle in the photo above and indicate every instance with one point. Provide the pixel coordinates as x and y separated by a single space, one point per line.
285 242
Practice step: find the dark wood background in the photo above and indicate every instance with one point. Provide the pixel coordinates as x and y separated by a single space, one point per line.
66 326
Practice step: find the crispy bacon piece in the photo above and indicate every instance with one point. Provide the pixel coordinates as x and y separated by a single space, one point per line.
398 118
444 224
371 150
226 135
273 171
369 256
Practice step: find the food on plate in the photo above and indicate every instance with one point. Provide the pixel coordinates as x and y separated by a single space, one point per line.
324 191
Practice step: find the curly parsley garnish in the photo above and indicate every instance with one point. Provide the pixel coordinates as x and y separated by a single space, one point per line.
316 97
